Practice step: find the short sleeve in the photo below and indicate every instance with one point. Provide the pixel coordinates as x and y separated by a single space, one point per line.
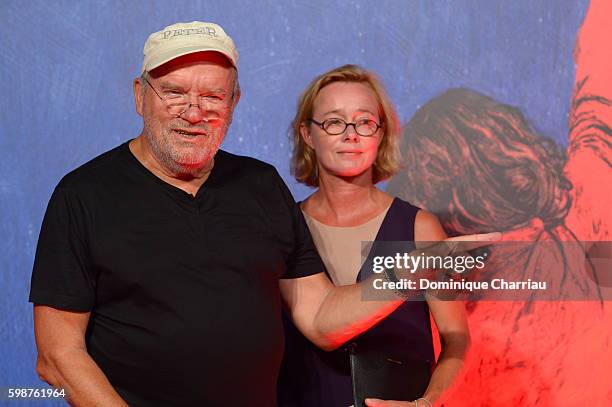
63 276
304 260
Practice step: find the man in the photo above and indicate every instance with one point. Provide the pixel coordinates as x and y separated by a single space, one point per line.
161 264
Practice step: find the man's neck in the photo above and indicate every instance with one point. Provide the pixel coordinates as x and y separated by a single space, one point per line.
187 182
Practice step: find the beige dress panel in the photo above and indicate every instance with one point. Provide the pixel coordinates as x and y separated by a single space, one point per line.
340 246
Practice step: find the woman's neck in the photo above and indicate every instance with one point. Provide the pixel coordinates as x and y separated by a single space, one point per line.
346 201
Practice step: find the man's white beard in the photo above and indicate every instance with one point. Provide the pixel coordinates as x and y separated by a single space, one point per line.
178 162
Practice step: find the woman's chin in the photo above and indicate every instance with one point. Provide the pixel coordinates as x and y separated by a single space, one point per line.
350 173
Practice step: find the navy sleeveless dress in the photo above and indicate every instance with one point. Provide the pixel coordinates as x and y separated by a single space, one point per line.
311 377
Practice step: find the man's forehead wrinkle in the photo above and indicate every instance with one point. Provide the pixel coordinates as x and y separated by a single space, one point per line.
169 84
197 85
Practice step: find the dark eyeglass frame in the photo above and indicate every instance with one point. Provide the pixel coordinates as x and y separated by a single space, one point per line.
346 125
165 101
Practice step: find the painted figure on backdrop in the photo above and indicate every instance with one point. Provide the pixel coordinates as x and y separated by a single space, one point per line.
478 165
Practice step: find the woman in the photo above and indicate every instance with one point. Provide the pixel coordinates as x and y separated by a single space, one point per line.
345 141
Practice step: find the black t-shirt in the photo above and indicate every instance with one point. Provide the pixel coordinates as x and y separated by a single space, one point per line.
183 291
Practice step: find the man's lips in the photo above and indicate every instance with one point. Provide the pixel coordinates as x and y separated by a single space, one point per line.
190 132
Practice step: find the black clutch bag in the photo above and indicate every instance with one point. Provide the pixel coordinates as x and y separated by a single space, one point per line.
386 374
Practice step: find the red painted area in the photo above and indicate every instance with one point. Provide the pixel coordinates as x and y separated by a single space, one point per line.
478 165
557 353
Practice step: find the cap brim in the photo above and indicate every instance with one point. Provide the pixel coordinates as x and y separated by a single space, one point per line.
168 56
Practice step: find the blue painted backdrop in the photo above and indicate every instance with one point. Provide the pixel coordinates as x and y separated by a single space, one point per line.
67 69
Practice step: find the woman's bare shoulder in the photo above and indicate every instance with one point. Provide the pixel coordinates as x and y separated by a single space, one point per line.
427 227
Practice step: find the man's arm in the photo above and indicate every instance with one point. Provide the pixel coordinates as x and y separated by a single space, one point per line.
330 315
63 361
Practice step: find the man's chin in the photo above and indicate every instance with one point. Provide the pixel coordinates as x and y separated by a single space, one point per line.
193 160
194 167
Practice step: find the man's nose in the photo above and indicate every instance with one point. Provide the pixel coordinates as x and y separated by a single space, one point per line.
193 113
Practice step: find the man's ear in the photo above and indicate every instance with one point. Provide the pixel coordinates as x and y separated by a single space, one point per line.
138 95
236 98
305 134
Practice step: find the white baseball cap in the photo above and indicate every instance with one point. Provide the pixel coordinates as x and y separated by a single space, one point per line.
186 38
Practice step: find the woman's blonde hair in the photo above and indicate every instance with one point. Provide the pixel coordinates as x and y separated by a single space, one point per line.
304 161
